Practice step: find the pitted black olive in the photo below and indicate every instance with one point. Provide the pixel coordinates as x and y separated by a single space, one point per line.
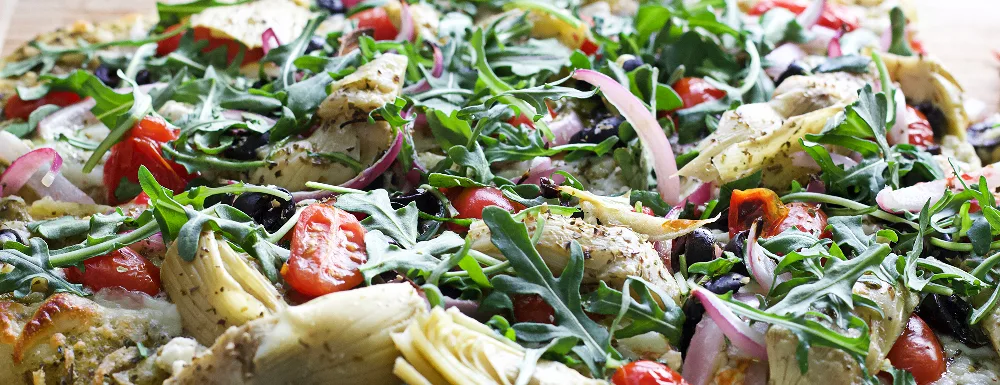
316 43
729 282
698 246
793 69
949 315
934 116
9 235
143 77
632 64
426 202
985 138
334 6
268 210
603 129
108 76
737 245
548 188
245 145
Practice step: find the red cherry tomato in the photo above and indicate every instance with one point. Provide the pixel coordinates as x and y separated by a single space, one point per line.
521 119
919 128
170 44
918 351
377 19
470 202
122 268
806 217
532 308
646 373
748 206
328 246
589 47
834 16
141 147
17 108
695 91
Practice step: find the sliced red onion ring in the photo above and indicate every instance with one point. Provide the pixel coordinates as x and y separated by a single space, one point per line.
25 166
748 339
782 57
269 40
653 139
808 18
761 267
406 30
706 345
899 132
542 168
438 62
833 49
364 178
816 186
565 128
821 39
700 196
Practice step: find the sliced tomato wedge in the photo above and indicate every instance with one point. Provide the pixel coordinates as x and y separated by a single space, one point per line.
166 46
17 108
122 268
749 206
328 247
695 91
377 19
834 16
646 373
919 129
141 147
806 217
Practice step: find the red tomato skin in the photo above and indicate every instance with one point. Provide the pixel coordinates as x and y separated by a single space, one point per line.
470 202
919 352
807 217
919 128
521 119
834 16
695 91
748 206
532 308
141 147
122 268
328 246
589 47
378 19
166 46
17 108
646 373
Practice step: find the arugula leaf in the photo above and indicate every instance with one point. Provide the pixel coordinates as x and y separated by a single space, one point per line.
384 256
284 56
400 225
21 130
644 313
848 63
19 272
563 293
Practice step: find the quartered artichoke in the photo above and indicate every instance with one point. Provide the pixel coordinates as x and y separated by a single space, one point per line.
447 347
924 80
340 338
217 289
617 212
612 253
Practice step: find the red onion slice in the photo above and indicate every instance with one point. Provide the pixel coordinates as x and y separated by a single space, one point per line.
269 40
782 57
811 14
565 128
761 267
438 62
542 168
364 178
748 339
701 195
25 166
406 30
706 345
899 132
653 139
816 186
833 49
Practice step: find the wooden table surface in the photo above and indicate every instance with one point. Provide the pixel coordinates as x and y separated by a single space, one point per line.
963 34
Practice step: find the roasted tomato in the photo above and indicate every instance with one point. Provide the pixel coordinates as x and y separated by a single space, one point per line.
122 268
377 19
141 147
748 206
806 217
532 308
328 246
834 16
589 47
918 351
17 108
470 202
695 91
919 128
233 47
646 373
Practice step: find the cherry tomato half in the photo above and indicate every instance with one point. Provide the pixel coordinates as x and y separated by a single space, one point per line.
918 351
646 373
328 246
378 19
470 202
122 268
532 308
806 217
748 206
834 16
589 47
233 47
919 128
695 91
141 147
17 108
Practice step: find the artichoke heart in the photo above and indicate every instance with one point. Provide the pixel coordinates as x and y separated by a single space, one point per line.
217 289
339 338
612 253
611 211
447 347
924 80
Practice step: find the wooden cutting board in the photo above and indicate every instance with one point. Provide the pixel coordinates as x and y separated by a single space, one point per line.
960 33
